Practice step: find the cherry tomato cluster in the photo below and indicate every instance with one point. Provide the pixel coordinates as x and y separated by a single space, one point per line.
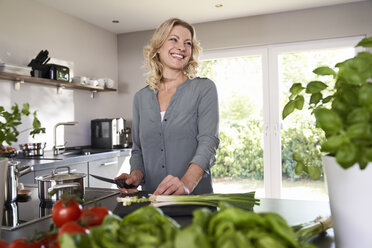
69 217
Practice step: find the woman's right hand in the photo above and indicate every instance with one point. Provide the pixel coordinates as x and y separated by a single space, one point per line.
131 179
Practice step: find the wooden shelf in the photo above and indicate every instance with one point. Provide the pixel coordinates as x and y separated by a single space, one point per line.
43 81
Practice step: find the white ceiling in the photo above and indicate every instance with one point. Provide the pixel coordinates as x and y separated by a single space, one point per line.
139 15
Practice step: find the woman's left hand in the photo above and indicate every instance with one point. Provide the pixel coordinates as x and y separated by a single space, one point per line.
172 186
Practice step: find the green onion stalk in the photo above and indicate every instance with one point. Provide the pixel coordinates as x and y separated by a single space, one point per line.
241 200
304 232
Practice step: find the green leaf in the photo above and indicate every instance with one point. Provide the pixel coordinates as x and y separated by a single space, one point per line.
332 143
324 71
314 172
350 96
315 98
368 153
362 63
299 102
288 108
297 157
351 76
315 87
358 115
365 95
191 237
327 99
299 168
26 109
366 42
347 155
74 240
296 88
363 161
340 106
358 130
328 120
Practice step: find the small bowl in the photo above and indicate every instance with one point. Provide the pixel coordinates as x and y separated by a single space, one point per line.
93 82
101 82
80 80
109 83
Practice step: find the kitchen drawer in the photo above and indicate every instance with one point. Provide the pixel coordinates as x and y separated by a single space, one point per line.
109 167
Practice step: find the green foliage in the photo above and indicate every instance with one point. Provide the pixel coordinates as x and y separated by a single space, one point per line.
343 110
9 121
240 153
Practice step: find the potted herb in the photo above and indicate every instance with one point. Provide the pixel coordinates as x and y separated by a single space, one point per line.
343 110
9 122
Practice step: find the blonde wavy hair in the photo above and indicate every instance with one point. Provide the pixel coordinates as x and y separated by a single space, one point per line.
152 61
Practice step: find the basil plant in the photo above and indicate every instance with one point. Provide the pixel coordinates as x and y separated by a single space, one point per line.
342 109
9 122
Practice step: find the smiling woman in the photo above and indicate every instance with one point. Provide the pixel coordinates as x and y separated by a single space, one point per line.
175 118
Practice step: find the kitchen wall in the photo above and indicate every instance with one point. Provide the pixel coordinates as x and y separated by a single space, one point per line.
311 24
26 27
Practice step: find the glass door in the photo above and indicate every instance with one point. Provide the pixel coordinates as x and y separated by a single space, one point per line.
295 63
239 79
256 146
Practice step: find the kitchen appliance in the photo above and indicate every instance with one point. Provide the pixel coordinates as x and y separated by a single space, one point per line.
118 182
32 149
52 71
11 175
72 183
126 138
106 133
40 68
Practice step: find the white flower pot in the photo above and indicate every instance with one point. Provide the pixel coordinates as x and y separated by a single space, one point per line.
350 198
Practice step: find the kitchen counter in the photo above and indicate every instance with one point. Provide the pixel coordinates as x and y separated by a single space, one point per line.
106 162
28 215
50 160
294 211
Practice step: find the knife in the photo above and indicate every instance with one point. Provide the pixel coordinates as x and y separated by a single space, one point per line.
119 182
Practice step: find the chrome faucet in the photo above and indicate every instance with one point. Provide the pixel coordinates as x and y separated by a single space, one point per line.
60 148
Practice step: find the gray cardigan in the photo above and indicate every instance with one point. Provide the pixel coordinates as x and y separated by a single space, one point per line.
188 134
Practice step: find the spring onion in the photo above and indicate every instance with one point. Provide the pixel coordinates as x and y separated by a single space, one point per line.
304 232
241 200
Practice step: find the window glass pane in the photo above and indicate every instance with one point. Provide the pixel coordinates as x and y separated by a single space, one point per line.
298 132
239 164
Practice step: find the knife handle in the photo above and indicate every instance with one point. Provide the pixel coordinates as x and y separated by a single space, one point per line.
122 184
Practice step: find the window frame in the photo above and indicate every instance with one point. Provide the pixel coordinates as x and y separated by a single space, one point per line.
271 112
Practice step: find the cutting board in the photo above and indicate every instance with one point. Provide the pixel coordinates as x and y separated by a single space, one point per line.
171 211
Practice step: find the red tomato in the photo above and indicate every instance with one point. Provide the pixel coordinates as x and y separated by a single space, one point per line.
71 227
3 243
19 243
45 241
65 210
55 245
36 244
94 216
50 239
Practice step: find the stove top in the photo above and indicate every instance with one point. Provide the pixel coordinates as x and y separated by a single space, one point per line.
30 209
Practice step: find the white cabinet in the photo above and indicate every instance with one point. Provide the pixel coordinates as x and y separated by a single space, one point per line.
109 168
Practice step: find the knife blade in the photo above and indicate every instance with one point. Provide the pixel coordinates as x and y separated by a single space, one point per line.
119 182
